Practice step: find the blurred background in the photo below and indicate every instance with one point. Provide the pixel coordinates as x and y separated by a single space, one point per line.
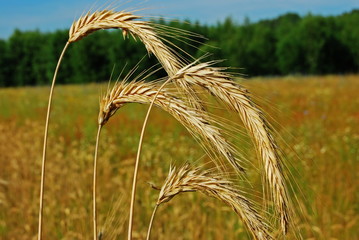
261 37
299 59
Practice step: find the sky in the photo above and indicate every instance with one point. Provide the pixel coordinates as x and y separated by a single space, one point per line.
49 15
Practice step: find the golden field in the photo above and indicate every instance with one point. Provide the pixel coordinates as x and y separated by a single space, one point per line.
315 118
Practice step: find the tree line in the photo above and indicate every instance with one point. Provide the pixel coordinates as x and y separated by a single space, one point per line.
288 44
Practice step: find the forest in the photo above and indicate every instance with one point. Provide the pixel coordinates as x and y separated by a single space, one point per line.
287 45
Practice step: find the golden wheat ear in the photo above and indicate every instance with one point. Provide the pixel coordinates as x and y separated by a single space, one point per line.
188 179
131 25
238 99
196 122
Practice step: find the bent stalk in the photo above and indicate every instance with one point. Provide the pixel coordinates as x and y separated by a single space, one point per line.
151 222
134 184
43 164
94 184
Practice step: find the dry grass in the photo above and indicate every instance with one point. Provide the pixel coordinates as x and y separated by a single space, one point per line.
325 127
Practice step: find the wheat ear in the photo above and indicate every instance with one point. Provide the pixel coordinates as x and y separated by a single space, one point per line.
130 25
187 179
195 121
145 31
238 99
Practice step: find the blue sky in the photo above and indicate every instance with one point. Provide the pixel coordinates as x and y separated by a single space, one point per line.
48 15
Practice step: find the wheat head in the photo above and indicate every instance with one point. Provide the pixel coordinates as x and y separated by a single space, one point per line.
150 34
131 25
194 120
187 179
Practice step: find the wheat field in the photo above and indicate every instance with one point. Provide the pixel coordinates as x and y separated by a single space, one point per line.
317 125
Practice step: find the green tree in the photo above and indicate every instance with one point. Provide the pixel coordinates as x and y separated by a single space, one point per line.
285 45
30 57
261 50
348 35
4 81
291 54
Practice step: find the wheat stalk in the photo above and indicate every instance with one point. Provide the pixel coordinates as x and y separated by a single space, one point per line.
187 179
238 99
44 149
94 205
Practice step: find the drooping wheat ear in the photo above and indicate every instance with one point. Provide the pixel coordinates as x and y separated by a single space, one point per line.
187 179
130 24
195 121
238 99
